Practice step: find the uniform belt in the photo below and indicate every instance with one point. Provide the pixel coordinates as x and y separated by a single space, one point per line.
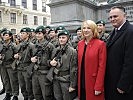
42 71
63 73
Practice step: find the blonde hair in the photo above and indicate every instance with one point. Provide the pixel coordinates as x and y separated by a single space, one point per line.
92 25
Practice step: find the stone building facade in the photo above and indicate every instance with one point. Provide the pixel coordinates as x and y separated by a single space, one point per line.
16 14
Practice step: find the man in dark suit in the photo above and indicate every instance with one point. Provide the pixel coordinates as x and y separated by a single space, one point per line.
119 70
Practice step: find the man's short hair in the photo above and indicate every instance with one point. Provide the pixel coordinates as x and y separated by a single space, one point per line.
119 7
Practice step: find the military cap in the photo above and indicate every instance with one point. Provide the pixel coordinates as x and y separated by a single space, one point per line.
7 32
25 29
79 28
100 22
2 30
40 29
32 29
60 28
64 32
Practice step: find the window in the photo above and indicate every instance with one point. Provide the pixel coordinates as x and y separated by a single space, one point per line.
24 3
34 4
44 21
0 17
13 17
43 9
35 20
13 31
12 2
25 20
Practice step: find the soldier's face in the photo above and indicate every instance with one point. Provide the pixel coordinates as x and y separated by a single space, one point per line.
117 17
63 39
24 35
39 35
79 33
52 34
100 28
6 37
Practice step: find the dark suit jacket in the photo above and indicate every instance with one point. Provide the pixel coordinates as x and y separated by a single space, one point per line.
119 69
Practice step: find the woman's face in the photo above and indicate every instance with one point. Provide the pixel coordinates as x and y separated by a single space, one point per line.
87 32
63 39
39 35
6 37
24 35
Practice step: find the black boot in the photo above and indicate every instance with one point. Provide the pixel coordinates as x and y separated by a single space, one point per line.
8 96
2 91
15 98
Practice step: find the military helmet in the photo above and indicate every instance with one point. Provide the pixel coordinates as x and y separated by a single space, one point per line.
40 29
25 29
64 32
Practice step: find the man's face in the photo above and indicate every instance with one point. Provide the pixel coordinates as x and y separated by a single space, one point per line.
101 28
39 35
63 39
117 17
24 35
79 33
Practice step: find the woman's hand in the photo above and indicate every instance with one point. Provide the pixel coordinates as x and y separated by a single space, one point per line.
97 92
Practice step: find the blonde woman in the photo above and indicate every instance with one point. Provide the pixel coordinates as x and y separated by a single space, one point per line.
91 63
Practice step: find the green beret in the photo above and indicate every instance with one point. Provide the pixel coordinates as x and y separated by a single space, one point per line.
2 30
26 29
40 29
32 29
100 22
7 32
64 32
60 28
52 29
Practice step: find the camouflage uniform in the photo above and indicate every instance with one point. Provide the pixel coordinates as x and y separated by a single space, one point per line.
42 87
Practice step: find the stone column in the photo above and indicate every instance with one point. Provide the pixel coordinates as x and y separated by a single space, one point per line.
71 13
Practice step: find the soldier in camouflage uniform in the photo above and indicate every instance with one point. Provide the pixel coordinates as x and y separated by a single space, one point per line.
8 72
42 87
65 68
23 61
53 37
101 29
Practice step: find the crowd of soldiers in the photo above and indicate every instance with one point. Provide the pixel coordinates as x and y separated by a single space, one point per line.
42 61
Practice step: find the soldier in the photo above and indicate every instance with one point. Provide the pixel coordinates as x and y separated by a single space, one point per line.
65 68
32 36
78 38
59 28
8 72
42 87
53 37
23 61
101 29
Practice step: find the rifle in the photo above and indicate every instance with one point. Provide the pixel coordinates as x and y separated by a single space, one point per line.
53 70
16 61
38 54
1 48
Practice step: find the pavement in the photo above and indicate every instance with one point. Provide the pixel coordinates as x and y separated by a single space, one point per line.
2 96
